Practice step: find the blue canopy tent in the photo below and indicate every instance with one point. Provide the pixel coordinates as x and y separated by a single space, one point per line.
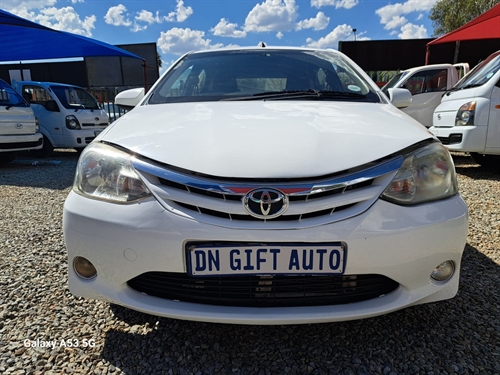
23 40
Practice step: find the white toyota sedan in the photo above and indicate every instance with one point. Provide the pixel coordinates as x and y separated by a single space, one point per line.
265 186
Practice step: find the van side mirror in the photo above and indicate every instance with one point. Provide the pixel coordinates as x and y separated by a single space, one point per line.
128 99
400 98
51 105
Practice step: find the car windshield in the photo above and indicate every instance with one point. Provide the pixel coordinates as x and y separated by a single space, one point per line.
263 74
75 97
481 74
9 97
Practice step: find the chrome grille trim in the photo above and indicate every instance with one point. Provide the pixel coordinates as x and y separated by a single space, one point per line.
291 189
312 203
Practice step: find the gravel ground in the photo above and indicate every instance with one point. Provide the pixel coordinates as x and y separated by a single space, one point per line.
459 336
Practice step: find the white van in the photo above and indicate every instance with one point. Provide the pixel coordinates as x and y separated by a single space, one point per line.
18 128
468 118
427 84
69 116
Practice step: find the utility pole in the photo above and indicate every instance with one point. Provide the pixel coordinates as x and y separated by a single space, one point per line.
354 31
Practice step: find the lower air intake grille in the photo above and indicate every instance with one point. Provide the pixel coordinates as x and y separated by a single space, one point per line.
263 291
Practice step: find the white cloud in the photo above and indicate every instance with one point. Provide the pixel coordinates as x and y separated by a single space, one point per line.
146 16
347 4
279 35
181 13
411 31
77 1
341 32
272 15
20 6
390 11
224 28
64 19
420 16
115 16
179 41
395 22
391 16
317 23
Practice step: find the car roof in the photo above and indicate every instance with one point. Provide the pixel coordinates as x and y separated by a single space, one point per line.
263 48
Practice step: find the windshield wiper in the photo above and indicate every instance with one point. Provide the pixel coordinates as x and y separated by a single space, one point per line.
295 94
463 88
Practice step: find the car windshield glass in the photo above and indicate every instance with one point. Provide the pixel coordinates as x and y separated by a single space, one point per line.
75 97
252 74
481 74
9 97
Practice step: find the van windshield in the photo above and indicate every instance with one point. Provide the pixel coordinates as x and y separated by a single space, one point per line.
75 97
481 74
9 97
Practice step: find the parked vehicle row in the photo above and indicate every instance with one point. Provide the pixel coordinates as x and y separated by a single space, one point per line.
69 116
468 118
19 130
427 85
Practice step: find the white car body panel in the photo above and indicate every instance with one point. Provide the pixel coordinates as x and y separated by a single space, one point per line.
198 163
145 237
274 133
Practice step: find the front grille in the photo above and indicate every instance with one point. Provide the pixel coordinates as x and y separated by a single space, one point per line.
311 201
263 291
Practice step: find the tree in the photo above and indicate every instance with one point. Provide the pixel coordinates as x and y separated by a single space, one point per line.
448 15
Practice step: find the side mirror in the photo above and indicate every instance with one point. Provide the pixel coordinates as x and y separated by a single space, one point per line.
128 99
400 98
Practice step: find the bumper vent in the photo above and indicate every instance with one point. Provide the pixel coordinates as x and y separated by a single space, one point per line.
263 291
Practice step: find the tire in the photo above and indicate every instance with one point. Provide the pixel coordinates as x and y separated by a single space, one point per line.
45 151
487 161
7 157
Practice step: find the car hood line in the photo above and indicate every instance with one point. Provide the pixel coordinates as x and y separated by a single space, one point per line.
280 139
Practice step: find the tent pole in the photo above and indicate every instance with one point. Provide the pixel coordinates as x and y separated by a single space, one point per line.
427 55
145 76
457 49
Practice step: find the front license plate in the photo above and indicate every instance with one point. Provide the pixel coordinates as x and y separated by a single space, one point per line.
266 259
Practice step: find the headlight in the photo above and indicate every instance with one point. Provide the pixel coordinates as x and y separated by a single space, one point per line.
106 173
465 114
72 122
427 174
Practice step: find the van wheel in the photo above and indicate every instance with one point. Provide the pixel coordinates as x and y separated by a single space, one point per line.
45 151
487 161
7 157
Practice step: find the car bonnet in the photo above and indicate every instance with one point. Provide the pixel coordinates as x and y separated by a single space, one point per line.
263 139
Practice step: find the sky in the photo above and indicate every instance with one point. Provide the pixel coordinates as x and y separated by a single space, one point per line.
180 26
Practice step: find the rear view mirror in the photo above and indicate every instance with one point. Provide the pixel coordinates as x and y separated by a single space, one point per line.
128 99
400 98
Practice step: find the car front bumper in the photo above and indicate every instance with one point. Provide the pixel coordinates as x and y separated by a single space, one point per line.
402 243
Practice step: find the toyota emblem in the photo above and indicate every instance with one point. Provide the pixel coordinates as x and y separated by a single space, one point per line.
97 119
265 203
